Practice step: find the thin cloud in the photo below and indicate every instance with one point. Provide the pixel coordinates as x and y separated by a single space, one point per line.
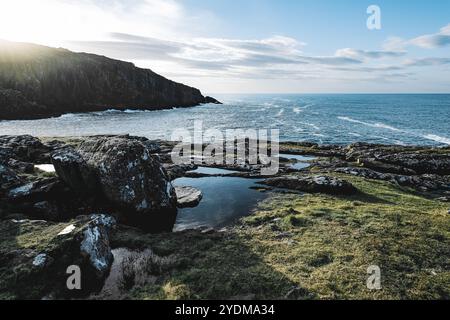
364 54
436 40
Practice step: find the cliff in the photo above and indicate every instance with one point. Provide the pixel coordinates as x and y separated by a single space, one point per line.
38 82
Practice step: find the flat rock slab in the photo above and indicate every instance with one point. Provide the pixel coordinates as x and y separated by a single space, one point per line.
312 184
188 197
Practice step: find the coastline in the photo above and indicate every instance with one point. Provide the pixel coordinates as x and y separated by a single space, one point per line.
298 243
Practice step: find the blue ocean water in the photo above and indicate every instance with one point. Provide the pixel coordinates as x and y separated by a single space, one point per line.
324 118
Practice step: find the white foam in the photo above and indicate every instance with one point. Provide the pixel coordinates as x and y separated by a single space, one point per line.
437 138
373 125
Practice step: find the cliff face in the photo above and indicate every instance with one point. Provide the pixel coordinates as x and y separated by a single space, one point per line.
38 81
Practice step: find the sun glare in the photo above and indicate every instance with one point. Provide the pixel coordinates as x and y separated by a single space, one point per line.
47 22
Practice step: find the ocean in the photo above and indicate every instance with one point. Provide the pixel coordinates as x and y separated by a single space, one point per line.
403 119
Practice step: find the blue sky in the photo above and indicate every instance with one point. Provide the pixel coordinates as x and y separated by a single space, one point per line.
253 46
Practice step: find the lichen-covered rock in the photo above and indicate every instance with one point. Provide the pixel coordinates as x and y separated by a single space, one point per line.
24 148
188 197
40 252
95 243
312 184
122 170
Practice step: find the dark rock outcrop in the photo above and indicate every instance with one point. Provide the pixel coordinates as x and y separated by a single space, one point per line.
400 159
209 99
122 171
38 81
424 182
312 184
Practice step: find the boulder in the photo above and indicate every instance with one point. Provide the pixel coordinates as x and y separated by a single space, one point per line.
188 197
73 169
312 184
23 148
122 171
46 251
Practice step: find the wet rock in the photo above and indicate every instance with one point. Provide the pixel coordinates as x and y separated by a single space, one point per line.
312 184
188 197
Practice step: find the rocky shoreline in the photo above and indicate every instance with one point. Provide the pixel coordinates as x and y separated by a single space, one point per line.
106 188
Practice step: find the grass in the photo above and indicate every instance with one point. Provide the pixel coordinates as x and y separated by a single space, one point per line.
310 246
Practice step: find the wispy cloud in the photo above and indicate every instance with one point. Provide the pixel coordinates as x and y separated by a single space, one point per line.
436 40
365 54
428 41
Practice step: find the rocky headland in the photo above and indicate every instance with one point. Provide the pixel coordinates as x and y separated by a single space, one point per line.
40 82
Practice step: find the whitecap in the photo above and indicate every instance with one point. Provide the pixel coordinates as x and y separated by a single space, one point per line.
437 138
373 125
280 113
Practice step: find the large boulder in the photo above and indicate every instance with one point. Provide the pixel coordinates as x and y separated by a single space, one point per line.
122 171
46 250
312 184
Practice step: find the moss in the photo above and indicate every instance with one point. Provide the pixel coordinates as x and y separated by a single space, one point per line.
321 244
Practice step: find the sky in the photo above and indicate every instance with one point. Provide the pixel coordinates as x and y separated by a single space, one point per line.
253 46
